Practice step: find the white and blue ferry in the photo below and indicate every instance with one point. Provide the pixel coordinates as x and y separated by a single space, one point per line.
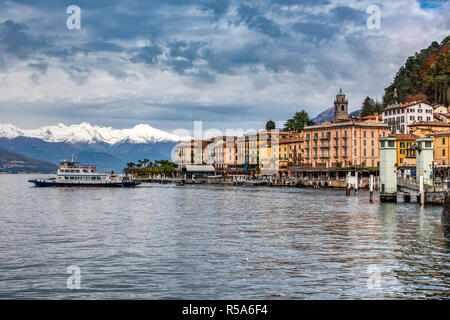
72 174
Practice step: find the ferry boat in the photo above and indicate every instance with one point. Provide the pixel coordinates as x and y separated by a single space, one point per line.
72 174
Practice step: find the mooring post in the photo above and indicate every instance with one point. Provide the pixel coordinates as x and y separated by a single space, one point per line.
371 188
422 193
347 190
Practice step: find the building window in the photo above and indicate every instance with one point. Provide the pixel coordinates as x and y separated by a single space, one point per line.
443 141
411 118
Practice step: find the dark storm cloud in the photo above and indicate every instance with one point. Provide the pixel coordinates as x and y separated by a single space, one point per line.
16 40
218 7
148 54
299 47
39 66
78 74
252 17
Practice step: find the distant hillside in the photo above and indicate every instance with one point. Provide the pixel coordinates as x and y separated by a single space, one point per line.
427 73
11 162
328 115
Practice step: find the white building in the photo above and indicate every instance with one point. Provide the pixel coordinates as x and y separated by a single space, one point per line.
400 116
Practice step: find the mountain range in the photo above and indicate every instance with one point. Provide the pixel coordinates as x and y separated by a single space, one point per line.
106 147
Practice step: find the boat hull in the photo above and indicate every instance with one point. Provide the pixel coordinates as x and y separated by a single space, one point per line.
121 184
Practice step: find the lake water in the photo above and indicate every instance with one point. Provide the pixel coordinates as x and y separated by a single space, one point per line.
211 242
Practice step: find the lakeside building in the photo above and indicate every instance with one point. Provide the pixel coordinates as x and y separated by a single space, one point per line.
190 152
439 109
225 152
344 143
269 150
406 153
242 151
291 150
399 117
426 128
442 117
441 147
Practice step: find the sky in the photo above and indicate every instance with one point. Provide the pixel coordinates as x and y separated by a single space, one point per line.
231 64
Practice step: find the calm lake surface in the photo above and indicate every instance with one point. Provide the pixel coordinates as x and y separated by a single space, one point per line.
210 242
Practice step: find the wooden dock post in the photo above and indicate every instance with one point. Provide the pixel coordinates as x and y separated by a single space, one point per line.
422 193
347 190
371 188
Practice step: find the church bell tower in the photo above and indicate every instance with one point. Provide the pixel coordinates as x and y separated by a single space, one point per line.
340 107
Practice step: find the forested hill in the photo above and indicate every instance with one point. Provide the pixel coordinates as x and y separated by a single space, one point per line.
11 162
426 74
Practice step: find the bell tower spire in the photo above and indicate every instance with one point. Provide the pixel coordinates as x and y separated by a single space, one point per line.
340 106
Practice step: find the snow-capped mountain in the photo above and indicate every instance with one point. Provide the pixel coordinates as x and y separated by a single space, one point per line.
105 147
87 133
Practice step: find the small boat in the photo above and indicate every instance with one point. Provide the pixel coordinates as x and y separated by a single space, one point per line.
72 174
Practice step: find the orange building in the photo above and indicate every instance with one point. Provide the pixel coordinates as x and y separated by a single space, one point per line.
441 147
426 128
343 144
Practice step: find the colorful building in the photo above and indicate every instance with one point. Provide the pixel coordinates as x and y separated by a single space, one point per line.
427 128
406 155
441 148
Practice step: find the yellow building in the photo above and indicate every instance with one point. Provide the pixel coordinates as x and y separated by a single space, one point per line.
406 154
441 148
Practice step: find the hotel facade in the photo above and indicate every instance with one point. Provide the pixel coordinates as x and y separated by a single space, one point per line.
400 116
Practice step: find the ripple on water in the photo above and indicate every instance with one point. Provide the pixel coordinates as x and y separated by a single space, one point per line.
209 242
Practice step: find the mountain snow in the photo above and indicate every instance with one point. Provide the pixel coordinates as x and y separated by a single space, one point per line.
87 133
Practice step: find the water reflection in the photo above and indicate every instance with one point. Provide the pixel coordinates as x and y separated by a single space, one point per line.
204 242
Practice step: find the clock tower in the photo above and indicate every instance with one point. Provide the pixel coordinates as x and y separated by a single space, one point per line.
340 107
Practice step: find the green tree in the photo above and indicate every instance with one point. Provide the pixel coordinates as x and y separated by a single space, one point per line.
427 72
370 107
270 125
298 121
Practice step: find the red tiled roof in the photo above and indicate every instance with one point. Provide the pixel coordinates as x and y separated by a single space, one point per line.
429 123
403 136
371 117
442 133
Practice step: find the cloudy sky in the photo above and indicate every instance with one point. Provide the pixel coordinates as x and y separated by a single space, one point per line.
229 63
